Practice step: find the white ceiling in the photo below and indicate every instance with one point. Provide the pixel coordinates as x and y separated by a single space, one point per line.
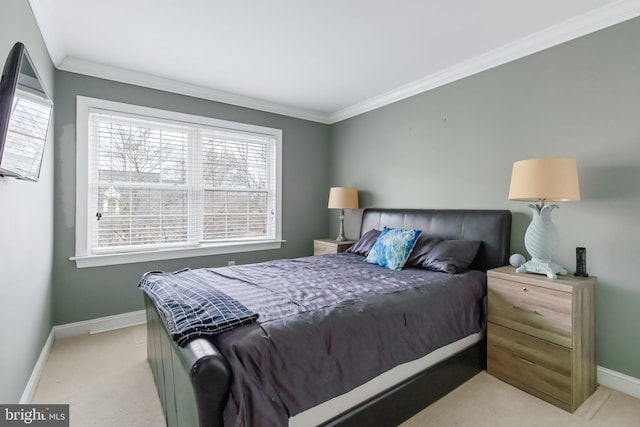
322 60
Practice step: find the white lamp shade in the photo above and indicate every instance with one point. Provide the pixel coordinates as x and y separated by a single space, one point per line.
550 179
343 198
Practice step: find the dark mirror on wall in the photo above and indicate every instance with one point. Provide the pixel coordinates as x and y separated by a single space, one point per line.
25 113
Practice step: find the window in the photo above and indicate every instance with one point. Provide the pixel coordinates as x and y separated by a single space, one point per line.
153 184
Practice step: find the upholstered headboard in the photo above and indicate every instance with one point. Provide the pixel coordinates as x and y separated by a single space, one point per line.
492 227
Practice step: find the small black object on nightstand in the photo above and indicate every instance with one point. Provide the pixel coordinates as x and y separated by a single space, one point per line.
581 262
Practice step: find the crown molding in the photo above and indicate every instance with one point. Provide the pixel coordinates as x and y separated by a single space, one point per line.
579 26
93 69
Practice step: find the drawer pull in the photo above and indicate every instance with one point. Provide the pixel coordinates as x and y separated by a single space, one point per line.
515 307
526 360
525 290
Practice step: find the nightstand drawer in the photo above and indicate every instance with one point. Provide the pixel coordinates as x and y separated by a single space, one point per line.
536 366
541 312
323 249
330 246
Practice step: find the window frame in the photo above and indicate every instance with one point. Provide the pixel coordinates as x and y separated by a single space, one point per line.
84 258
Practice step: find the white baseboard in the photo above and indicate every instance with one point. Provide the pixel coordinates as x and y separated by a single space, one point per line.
93 326
101 324
30 389
620 382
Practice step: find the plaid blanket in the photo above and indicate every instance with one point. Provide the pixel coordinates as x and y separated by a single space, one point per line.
191 307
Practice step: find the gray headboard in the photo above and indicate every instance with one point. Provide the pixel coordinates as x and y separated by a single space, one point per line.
492 227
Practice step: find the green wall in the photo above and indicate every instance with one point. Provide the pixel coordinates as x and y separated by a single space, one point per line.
26 231
88 293
454 146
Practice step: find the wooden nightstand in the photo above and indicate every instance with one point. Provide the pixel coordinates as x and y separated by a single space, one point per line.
541 335
331 246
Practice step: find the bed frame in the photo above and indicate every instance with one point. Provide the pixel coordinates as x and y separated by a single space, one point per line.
193 381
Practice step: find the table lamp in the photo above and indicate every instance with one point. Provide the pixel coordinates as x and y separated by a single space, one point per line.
343 198
543 180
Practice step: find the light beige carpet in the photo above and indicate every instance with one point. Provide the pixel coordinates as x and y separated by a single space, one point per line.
486 401
107 382
105 379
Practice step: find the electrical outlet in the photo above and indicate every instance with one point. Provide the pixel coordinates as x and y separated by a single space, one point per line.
231 263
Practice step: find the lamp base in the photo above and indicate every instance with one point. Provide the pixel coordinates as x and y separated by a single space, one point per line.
341 236
538 266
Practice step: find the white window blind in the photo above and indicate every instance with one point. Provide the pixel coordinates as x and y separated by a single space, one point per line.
238 178
155 183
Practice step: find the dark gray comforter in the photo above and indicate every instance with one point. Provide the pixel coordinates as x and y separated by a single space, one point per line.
330 323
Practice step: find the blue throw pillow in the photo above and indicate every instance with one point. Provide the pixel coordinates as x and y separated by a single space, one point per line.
393 247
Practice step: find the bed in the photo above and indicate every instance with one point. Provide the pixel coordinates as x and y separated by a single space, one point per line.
286 366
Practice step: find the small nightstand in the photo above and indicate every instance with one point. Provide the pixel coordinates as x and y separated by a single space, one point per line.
331 246
541 335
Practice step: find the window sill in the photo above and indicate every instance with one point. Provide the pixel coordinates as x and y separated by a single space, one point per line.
160 254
